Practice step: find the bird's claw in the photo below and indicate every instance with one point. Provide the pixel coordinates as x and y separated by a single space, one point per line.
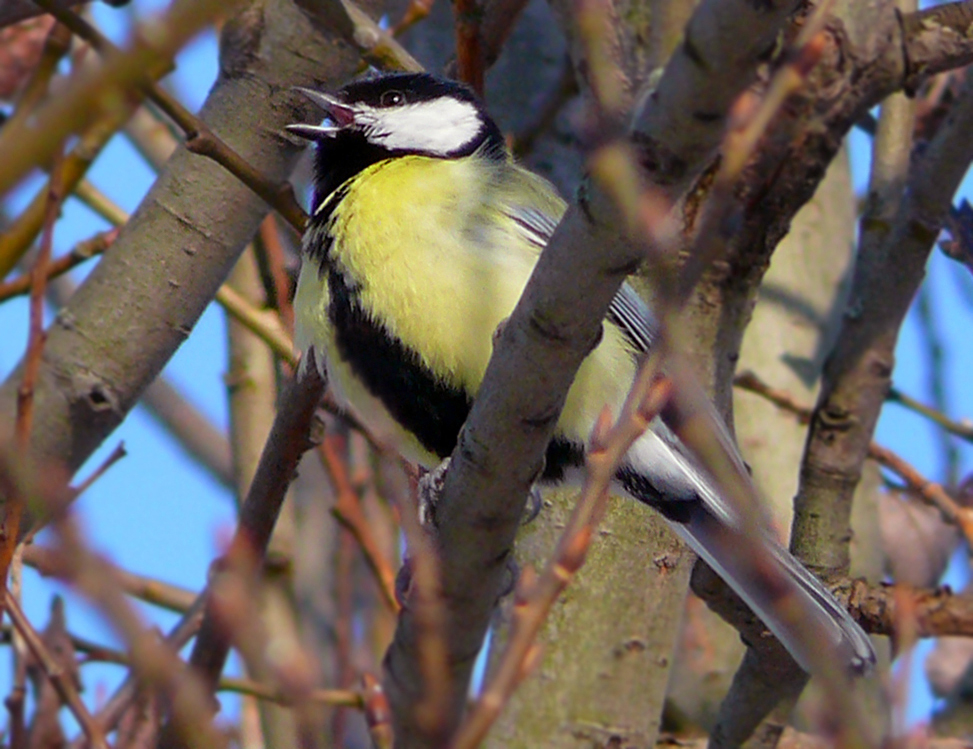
430 489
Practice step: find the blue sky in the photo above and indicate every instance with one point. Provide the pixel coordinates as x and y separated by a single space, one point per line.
155 495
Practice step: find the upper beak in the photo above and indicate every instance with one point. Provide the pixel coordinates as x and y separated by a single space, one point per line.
341 113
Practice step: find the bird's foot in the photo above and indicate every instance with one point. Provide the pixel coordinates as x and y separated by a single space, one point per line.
403 582
535 503
430 490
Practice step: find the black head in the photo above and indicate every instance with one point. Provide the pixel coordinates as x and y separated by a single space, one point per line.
407 113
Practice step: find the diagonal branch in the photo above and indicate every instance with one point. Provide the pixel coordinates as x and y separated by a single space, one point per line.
117 332
551 331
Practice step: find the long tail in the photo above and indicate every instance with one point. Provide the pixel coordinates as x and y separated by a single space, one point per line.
660 473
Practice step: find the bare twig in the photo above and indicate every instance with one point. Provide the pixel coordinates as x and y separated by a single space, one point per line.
930 491
56 45
20 150
274 256
377 713
264 324
18 690
289 439
56 674
333 697
376 45
49 563
199 138
961 429
469 53
415 12
347 510
748 124
115 708
82 251
36 337
9 536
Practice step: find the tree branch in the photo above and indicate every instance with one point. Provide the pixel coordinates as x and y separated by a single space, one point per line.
549 334
140 303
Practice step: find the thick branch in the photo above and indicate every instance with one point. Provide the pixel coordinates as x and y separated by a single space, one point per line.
857 373
143 299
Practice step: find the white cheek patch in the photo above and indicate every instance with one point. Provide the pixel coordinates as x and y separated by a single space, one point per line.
440 127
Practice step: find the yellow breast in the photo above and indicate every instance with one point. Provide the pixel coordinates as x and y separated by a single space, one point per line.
435 257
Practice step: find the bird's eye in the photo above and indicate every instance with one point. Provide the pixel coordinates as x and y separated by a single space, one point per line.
392 99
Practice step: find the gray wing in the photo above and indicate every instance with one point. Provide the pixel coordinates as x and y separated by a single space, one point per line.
632 315
627 310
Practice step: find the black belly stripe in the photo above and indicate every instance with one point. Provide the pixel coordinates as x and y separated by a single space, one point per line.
421 403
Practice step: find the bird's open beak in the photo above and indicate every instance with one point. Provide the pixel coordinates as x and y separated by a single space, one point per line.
338 112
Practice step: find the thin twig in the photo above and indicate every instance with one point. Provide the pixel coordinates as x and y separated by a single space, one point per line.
290 437
469 51
560 94
415 12
378 715
423 599
55 673
36 338
333 697
116 455
115 708
748 123
347 510
199 138
32 360
48 563
274 256
153 661
81 252
56 46
930 491
18 691
959 428
264 324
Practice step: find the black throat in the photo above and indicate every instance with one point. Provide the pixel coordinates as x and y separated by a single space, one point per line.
337 159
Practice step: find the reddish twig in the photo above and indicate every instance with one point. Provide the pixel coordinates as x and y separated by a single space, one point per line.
930 491
10 531
116 455
347 510
114 710
36 337
274 253
199 138
55 674
469 48
82 251
49 564
417 11
378 715
290 437
18 691
94 577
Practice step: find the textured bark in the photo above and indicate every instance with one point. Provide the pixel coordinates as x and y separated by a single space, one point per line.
608 642
796 317
141 302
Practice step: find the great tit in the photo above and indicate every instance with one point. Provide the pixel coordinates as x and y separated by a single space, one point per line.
422 236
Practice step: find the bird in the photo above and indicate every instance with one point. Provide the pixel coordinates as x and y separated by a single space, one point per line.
423 232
